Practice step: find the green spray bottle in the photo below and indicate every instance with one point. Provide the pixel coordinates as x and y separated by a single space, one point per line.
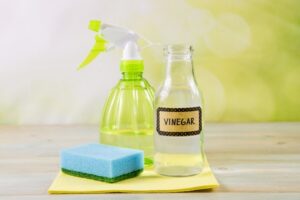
127 115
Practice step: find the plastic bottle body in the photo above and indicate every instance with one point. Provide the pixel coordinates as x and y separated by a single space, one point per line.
127 119
178 153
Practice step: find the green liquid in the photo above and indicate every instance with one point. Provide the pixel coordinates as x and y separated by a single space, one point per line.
142 140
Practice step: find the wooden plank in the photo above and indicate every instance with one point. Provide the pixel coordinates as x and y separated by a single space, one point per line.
219 138
236 174
247 159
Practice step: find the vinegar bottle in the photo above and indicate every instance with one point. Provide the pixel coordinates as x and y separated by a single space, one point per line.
178 117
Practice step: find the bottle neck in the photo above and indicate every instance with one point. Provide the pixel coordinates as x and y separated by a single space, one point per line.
179 69
132 75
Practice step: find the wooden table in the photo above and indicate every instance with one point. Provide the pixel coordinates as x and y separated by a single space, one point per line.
251 161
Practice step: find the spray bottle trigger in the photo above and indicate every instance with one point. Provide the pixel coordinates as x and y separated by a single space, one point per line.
99 46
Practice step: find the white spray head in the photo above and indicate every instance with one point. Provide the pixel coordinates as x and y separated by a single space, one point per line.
109 37
118 36
131 51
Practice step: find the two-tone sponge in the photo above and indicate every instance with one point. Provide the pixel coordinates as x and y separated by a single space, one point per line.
102 162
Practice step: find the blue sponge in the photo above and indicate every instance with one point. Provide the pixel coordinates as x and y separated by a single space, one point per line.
102 162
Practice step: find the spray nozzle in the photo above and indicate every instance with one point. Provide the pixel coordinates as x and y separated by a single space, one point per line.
110 36
131 51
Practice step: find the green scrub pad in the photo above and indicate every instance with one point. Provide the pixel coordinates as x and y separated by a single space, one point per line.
102 178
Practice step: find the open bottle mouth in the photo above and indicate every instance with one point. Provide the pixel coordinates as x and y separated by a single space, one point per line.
178 49
178 52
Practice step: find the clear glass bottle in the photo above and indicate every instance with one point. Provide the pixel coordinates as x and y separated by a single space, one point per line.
178 117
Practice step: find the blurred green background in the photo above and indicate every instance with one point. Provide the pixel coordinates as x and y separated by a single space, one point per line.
246 59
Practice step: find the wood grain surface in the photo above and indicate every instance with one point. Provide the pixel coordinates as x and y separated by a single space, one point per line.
251 161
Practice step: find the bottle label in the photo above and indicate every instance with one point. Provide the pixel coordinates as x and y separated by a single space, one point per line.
179 121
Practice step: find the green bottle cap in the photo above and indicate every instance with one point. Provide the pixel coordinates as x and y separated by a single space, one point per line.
132 66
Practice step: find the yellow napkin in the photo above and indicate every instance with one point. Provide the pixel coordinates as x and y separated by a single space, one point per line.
147 182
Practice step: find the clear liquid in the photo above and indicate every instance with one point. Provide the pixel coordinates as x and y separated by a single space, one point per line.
178 156
142 140
178 164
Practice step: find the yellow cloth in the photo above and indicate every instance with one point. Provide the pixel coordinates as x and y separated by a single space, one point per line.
147 182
